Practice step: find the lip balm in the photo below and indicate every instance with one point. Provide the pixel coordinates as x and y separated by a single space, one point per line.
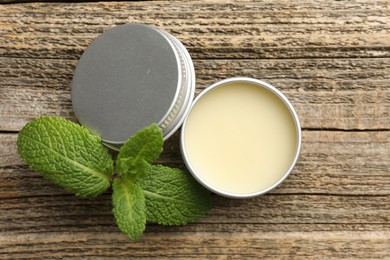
241 138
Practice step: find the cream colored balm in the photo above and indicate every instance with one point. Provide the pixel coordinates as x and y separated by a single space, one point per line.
241 138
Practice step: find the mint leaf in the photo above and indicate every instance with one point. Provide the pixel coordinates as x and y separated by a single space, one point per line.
173 197
140 151
128 202
66 154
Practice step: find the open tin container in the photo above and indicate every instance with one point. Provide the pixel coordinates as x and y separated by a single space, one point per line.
129 77
134 75
241 138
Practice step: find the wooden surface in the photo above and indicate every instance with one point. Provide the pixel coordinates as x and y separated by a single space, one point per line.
330 58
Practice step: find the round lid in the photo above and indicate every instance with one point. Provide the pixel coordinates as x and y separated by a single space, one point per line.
124 81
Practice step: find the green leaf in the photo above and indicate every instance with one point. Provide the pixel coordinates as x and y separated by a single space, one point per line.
140 151
173 197
128 202
66 154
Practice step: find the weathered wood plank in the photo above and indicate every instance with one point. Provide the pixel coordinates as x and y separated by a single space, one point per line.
66 212
337 93
199 245
330 75
333 163
333 225
331 58
96 222
210 30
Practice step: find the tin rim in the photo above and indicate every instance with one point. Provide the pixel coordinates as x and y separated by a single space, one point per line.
187 85
294 115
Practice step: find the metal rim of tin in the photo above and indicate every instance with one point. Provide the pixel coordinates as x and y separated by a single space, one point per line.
181 103
294 115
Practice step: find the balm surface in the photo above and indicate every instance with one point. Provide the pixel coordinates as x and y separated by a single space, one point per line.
240 138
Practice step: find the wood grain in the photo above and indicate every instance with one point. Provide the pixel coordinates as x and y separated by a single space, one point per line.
336 93
68 213
40 49
263 29
57 224
330 163
200 245
309 213
330 58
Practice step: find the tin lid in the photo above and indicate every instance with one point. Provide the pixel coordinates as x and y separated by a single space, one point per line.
126 79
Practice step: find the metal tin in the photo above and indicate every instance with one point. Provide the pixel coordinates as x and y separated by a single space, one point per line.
129 77
261 84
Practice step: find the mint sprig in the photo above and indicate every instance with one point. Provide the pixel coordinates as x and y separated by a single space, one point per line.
73 158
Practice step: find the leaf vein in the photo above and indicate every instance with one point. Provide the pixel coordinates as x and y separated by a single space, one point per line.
77 164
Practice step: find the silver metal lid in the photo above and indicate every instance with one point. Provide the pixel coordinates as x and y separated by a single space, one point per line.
128 78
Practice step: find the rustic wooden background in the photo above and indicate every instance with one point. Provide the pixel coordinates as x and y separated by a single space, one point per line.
331 58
